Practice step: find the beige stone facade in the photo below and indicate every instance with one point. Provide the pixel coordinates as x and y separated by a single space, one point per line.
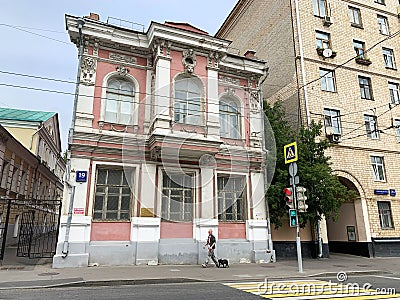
271 28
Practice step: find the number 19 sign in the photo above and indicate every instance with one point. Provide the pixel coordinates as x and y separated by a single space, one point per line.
81 176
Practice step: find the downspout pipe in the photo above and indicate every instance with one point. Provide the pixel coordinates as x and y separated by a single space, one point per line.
303 75
71 185
265 152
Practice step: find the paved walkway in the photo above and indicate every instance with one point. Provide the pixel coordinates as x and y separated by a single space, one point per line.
43 275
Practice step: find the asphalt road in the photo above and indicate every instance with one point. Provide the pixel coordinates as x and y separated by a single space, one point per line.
186 291
207 291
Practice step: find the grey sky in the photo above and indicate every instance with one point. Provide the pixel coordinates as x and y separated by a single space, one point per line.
26 53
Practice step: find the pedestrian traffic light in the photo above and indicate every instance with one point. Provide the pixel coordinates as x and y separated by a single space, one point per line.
301 199
288 194
292 217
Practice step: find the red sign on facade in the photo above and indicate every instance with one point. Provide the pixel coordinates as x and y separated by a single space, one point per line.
79 211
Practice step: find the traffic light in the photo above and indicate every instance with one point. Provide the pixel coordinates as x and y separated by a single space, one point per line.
288 194
292 217
301 199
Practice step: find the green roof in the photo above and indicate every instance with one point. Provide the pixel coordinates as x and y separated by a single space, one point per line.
25 115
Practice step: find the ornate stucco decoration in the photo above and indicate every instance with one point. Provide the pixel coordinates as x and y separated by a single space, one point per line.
88 70
230 91
255 106
213 57
122 58
189 60
123 71
229 80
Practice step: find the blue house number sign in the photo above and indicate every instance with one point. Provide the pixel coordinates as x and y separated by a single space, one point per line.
81 176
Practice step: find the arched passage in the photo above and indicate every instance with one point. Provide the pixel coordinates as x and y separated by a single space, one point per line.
350 233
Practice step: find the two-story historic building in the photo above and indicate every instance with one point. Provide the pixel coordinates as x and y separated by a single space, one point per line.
167 144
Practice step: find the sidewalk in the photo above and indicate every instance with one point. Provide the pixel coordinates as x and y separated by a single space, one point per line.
45 276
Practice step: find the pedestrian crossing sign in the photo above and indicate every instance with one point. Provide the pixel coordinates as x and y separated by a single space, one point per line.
290 152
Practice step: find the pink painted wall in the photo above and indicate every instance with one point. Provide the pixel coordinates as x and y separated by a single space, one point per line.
102 70
110 231
231 231
171 230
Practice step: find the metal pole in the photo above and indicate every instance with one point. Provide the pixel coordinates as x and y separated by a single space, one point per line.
298 241
65 250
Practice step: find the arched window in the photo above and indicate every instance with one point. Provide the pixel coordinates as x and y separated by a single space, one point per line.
119 105
229 119
187 101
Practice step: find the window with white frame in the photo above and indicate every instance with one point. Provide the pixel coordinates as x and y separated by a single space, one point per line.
355 16
327 80
388 58
177 197
322 40
332 119
359 48
378 168
396 124
319 8
231 198
385 214
229 119
365 88
113 195
394 93
187 100
120 101
383 25
371 126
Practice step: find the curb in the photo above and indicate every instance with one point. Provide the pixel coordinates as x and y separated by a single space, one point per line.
367 272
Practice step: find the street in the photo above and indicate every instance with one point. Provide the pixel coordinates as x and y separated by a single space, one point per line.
376 287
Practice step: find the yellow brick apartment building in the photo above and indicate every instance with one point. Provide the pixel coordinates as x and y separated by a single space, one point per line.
336 61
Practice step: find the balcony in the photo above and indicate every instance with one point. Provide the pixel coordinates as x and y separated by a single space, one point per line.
363 61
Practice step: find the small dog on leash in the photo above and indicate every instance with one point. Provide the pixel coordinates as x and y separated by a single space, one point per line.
223 263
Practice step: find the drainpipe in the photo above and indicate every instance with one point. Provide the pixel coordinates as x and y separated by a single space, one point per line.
265 151
65 250
303 75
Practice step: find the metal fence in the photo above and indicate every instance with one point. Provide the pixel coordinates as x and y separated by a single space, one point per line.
32 225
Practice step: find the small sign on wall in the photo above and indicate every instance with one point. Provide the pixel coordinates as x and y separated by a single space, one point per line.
79 211
351 233
81 176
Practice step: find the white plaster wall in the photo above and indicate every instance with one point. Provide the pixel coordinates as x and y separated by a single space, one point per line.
213 103
79 164
148 185
256 230
258 196
79 231
145 229
201 227
207 194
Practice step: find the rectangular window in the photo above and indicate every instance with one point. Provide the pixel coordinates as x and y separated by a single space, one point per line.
383 25
332 119
365 87
385 214
359 48
113 195
4 174
355 16
380 2
388 58
319 8
231 198
371 126
177 197
327 80
397 127
14 180
322 40
394 93
378 168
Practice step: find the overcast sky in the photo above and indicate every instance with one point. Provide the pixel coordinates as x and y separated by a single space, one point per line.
29 30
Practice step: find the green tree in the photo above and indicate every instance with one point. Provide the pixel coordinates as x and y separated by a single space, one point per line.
324 193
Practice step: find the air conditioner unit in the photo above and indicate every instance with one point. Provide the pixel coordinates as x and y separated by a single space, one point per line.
328 21
329 130
335 138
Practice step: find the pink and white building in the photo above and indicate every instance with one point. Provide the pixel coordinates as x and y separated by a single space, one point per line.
169 129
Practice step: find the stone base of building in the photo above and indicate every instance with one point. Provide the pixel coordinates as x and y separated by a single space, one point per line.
288 249
386 247
166 251
353 248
